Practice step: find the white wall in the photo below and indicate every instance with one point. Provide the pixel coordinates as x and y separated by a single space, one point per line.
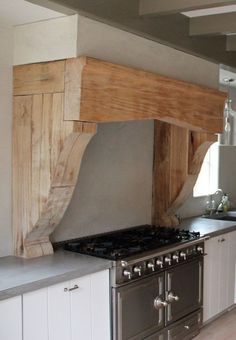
46 40
6 59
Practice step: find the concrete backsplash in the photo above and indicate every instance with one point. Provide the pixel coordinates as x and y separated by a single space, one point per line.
114 188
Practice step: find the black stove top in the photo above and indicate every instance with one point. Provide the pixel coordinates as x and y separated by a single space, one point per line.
122 244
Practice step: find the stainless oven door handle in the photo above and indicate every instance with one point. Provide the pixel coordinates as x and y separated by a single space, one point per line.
158 303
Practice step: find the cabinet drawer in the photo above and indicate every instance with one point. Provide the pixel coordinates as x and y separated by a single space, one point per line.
185 329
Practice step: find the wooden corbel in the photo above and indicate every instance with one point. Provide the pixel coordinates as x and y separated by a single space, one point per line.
178 157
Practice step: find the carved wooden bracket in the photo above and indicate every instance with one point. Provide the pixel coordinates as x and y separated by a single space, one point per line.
178 157
56 108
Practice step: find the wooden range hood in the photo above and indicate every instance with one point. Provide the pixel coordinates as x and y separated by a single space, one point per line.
56 108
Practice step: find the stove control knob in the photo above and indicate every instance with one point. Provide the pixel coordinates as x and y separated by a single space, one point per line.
175 258
159 263
168 260
183 255
127 273
151 265
138 270
200 250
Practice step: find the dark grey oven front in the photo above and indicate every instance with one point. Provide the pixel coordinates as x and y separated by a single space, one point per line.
143 308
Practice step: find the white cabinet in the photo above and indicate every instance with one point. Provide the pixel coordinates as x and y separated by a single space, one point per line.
73 310
219 274
81 308
35 315
100 303
59 312
11 319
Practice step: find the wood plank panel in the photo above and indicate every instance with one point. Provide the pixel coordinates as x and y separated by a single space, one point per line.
112 93
45 155
21 172
73 80
39 78
37 112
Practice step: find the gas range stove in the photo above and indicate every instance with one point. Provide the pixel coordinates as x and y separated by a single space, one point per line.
155 279
129 242
140 251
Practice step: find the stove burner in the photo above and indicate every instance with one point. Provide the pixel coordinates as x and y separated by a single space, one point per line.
121 244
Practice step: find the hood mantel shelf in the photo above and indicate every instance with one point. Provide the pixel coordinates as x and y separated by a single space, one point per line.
56 108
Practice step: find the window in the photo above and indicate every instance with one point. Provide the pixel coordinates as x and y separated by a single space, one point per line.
207 182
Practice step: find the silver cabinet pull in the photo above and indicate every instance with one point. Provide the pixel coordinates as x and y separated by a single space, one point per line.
186 327
70 289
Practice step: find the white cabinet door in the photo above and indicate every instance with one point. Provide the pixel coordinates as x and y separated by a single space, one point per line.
35 315
73 310
59 312
219 274
11 319
100 306
211 279
81 308
232 263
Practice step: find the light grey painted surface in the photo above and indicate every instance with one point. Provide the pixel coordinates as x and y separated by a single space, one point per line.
114 188
18 275
6 56
102 41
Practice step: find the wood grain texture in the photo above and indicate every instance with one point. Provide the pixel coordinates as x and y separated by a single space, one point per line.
73 79
39 78
178 157
21 172
47 154
110 92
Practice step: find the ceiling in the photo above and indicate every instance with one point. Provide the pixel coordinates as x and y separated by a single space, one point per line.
19 12
206 28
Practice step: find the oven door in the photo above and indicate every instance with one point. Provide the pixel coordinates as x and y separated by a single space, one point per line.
137 308
183 290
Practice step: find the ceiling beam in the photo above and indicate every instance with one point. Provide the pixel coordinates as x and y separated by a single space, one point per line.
213 24
231 43
160 7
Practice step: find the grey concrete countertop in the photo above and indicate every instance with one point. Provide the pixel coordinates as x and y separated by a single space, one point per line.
18 275
208 227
